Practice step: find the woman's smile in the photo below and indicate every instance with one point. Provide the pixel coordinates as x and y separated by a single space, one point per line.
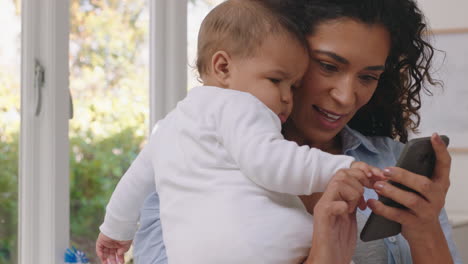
332 117
328 119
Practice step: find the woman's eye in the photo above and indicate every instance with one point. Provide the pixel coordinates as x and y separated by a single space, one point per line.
328 67
369 78
274 80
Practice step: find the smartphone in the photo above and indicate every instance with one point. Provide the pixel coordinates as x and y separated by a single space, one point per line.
417 156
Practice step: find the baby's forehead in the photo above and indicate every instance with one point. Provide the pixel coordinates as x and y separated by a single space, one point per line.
240 27
280 58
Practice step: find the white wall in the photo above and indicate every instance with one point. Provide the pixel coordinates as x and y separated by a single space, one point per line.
445 14
446 105
457 198
451 16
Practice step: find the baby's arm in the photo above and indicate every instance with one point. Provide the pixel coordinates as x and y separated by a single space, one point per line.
251 134
122 211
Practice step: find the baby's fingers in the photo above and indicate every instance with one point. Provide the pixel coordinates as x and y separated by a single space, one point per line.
377 174
363 167
121 255
371 172
103 253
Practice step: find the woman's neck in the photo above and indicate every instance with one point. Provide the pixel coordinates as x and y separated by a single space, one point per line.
333 146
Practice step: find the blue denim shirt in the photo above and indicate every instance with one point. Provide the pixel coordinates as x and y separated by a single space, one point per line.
377 151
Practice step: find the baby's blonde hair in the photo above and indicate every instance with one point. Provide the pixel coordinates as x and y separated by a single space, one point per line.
239 27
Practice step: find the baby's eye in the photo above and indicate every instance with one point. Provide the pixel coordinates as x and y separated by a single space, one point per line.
274 80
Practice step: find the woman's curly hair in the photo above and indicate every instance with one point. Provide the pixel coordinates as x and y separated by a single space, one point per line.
393 109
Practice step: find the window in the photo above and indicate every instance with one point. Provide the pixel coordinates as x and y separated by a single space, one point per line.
109 82
10 24
196 12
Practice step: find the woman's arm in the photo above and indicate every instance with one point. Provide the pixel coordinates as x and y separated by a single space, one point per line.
420 224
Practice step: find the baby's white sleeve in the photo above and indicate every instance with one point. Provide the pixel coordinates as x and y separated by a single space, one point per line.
251 133
122 211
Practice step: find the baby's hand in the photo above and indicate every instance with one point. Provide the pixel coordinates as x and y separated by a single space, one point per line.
371 172
110 250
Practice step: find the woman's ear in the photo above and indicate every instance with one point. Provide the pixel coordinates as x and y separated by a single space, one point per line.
221 64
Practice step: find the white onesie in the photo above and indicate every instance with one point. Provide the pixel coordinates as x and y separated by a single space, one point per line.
228 183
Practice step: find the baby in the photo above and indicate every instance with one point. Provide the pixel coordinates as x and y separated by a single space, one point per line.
228 181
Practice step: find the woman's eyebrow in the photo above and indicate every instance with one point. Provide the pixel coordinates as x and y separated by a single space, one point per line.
375 68
345 61
332 55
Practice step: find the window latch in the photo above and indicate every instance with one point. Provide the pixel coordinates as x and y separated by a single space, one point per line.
39 80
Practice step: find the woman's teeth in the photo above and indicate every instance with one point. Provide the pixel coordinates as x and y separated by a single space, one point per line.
330 117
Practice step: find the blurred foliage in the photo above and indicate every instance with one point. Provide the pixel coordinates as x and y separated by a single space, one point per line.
95 168
9 127
8 196
109 83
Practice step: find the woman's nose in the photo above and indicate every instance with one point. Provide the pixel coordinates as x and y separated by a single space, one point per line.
344 92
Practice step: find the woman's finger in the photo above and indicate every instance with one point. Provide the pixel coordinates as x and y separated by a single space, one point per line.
336 191
412 201
398 215
419 183
350 195
443 161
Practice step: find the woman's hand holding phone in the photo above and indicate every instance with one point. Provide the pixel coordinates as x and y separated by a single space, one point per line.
420 221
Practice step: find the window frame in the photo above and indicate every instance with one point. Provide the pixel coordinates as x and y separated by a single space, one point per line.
44 194
168 56
43 163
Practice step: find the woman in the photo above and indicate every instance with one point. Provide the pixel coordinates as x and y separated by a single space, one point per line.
368 65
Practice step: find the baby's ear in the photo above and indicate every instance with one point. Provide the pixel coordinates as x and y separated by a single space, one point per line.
221 64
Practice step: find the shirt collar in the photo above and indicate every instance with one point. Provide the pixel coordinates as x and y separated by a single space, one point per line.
352 139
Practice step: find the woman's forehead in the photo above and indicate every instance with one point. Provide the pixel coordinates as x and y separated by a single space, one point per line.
351 40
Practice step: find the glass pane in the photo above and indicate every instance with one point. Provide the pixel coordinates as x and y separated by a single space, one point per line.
10 61
196 12
109 83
